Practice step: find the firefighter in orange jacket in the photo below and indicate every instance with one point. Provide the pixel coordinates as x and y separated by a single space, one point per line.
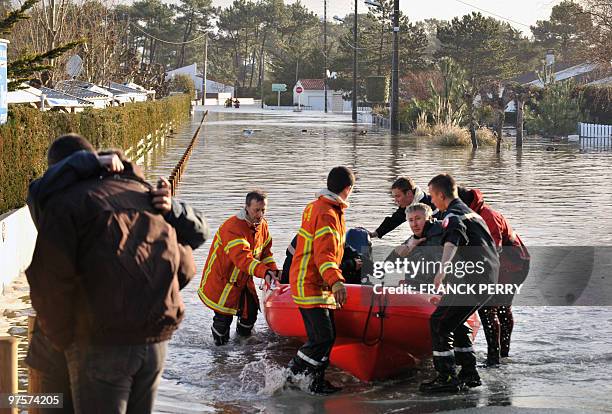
314 271
241 249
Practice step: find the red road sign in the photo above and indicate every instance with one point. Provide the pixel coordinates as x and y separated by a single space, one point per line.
299 89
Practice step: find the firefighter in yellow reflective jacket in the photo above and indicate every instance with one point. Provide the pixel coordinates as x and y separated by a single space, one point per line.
317 284
241 249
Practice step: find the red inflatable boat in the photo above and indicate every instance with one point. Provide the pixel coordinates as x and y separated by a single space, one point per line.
377 336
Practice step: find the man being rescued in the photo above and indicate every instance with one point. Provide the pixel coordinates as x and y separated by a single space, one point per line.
241 249
317 284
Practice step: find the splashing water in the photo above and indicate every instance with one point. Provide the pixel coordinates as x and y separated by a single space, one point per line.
266 378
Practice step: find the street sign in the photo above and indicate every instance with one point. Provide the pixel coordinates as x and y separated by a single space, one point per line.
299 89
279 87
3 81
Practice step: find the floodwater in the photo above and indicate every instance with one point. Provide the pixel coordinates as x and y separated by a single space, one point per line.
561 358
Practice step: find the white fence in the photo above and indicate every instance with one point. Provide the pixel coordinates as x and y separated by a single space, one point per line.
594 130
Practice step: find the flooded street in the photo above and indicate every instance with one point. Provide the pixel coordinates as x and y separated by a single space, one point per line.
561 356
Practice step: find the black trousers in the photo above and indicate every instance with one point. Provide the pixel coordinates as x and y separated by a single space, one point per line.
247 316
321 330
52 369
451 335
115 379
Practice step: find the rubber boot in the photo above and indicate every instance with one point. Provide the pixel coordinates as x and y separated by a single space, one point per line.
506 320
320 386
220 339
442 383
469 377
446 381
243 331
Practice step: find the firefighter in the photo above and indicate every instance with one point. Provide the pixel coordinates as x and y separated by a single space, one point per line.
467 241
405 193
241 249
497 319
317 284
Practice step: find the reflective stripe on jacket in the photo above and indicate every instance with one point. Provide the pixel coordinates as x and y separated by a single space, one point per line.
238 252
318 254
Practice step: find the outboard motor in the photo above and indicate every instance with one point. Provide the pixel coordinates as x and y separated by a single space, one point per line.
358 239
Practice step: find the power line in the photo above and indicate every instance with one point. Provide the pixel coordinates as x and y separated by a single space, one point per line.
493 14
165 41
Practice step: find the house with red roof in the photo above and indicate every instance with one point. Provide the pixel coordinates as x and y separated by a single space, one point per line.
313 96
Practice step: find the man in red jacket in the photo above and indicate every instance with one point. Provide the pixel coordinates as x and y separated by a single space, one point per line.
497 319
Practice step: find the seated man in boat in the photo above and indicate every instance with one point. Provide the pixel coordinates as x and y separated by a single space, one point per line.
424 244
467 241
241 250
351 264
317 283
405 193
497 319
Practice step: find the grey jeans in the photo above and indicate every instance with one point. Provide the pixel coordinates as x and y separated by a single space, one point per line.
115 379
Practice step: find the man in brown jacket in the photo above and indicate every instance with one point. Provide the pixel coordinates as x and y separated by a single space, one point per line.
105 280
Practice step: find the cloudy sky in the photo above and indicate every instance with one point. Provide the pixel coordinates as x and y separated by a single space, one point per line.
521 13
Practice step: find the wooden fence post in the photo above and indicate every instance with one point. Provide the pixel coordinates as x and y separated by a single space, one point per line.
33 375
8 369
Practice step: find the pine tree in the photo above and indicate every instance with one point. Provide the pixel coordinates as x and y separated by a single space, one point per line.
20 70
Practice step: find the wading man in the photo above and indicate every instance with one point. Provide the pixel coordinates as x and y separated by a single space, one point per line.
317 284
466 239
241 250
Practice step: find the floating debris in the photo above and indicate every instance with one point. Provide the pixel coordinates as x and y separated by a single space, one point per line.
249 132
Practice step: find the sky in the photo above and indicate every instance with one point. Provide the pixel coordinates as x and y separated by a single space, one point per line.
523 13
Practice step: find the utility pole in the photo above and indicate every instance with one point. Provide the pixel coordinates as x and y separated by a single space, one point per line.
261 81
355 65
325 49
205 68
395 70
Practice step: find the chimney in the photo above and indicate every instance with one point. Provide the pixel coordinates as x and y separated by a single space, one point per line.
550 57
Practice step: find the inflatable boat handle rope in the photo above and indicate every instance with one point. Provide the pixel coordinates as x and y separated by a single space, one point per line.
382 306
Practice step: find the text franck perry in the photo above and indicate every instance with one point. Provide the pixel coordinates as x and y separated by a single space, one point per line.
460 289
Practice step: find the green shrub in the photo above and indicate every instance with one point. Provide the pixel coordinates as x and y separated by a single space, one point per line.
25 138
597 102
557 112
182 84
377 89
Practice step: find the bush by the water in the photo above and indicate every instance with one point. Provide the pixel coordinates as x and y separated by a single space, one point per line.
557 112
422 128
25 138
450 135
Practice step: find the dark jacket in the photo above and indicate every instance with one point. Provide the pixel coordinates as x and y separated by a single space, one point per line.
106 265
468 231
392 222
190 225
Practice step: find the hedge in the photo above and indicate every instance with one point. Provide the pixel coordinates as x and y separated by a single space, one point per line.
25 138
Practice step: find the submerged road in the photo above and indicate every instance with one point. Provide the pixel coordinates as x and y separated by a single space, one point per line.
561 356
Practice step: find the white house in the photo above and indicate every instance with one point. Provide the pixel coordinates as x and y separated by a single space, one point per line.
211 85
313 96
